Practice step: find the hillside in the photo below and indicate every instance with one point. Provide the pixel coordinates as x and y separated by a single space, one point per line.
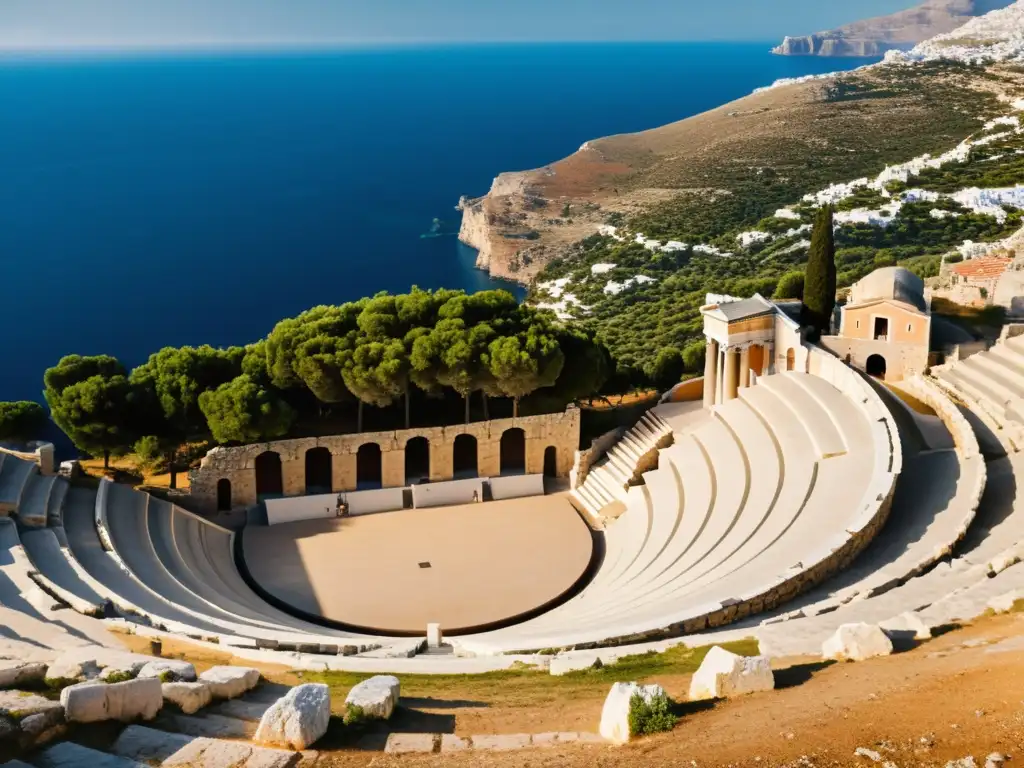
630 232
873 37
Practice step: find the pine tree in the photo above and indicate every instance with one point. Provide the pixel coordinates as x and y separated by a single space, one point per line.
820 278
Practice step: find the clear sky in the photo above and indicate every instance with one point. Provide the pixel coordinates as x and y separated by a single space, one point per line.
120 23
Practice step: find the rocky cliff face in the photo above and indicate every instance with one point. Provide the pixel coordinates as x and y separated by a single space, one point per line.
873 37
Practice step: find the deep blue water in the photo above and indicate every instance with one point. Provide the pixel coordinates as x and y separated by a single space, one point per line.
168 200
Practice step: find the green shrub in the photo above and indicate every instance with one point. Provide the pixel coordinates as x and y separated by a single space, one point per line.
119 677
654 716
355 716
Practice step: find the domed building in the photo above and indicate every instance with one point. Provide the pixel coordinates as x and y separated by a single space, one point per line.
885 326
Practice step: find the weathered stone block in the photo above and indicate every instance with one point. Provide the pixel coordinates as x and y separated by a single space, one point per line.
723 674
229 682
298 719
95 702
856 642
615 714
169 671
377 697
189 697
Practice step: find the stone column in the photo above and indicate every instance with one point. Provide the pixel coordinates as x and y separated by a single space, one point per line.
343 467
720 389
744 367
293 476
732 360
488 457
710 373
392 468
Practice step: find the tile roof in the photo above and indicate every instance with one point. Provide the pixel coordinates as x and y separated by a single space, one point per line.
739 310
983 267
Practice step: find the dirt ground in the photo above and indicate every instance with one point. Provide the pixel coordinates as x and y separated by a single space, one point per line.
957 695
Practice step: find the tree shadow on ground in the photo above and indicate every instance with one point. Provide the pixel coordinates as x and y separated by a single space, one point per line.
798 674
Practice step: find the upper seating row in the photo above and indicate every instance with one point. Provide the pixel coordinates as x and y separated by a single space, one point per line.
744 510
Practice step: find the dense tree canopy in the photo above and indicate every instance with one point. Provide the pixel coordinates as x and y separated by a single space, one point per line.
820 278
372 352
243 411
23 420
92 401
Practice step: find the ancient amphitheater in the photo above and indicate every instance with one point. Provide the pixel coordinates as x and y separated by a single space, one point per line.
800 496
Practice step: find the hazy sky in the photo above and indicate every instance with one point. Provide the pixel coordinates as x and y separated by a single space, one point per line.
67 23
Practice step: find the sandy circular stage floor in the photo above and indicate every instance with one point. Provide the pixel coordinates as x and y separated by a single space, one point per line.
463 567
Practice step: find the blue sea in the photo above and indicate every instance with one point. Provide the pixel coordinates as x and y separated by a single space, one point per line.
198 198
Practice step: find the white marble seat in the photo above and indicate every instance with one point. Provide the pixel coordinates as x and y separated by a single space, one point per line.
15 475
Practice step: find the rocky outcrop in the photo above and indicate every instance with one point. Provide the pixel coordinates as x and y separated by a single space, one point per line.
375 698
298 719
723 674
873 37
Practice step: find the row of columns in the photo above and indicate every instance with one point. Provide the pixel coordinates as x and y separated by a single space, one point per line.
726 371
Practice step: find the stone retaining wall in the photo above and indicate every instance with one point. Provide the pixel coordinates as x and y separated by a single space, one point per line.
560 431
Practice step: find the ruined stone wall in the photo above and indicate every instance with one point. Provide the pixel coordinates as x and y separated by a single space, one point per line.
238 465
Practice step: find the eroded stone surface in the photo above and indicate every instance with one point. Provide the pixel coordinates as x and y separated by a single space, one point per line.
502 742
95 702
14 673
17 705
856 642
377 696
169 671
189 697
452 743
298 719
724 674
615 714
410 743
229 682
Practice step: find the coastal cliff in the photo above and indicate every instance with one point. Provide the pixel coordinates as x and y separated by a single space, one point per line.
902 30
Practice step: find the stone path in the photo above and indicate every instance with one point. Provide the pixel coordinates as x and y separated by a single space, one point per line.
419 743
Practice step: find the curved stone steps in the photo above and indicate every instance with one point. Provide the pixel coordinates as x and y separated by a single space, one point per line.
35 500
50 559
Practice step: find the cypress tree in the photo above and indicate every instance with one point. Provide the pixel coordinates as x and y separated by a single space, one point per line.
820 278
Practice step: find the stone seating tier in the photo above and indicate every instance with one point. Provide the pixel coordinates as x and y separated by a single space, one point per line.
756 498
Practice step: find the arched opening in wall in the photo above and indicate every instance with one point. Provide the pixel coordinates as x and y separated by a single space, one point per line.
224 495
464 457
269 481
417 460
513 452
550 461
318 470
875 366
790 359
368 467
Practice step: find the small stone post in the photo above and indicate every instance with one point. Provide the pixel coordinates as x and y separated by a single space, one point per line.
434 637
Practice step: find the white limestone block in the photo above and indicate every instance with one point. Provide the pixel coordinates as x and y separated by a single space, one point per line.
230 682
1004 603
190 697
14 673
169 670
856 642
67 754
434 636
377 697
615 714
723 674
906 623
94 702
298 719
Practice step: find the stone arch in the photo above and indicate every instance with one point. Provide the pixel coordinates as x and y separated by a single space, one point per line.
417 460
368 467
464 457
790 359
513 451
875 366
319 470
551 461
269 479
223 495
